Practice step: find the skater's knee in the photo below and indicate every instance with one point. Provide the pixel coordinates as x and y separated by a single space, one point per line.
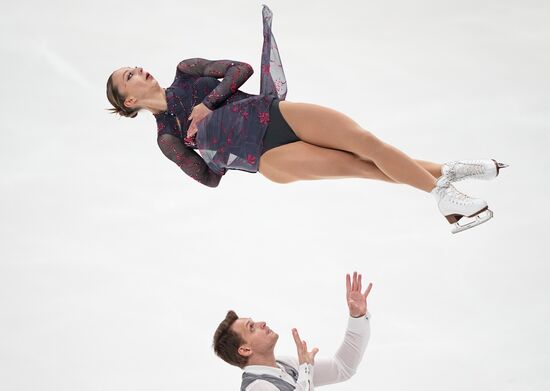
277 177
371 146
369 170
281 180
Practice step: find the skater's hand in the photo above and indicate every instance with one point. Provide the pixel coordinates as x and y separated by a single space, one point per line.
357 301
197 115
303 355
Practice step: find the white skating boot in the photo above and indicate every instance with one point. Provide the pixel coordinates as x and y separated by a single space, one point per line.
472 169
456 206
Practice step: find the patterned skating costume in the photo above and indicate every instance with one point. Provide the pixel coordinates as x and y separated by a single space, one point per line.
231 137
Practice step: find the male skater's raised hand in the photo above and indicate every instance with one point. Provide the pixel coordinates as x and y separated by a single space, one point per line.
357 301
303 355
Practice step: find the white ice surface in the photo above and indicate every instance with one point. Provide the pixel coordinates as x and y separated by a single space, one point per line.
116 268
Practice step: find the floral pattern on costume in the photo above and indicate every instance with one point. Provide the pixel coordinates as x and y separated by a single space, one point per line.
230 137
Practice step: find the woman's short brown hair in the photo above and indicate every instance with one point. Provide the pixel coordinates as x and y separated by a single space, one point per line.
227 342
117 100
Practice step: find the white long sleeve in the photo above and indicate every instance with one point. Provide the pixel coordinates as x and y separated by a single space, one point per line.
325 371
347 358
305 378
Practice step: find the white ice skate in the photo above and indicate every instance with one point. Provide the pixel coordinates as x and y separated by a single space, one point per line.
472 169
456 206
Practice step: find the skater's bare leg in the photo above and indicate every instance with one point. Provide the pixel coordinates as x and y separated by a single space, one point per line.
303 161
329 128
433 168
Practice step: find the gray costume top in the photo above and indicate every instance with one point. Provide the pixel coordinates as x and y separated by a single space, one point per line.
249 378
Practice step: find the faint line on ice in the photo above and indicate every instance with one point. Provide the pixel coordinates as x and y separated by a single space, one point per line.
63 67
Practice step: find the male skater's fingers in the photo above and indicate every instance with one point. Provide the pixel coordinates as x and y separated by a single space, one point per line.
354 283
297 340
348 283
359 283
311 356
313 353
367 291
301 347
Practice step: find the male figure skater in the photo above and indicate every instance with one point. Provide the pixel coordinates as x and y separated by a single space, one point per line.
250 345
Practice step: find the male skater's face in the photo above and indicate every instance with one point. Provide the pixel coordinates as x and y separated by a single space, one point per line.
259 338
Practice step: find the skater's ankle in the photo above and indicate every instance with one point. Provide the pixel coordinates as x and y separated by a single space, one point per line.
442 181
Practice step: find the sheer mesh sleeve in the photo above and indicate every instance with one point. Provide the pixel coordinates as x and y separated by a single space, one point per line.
234 74
188 160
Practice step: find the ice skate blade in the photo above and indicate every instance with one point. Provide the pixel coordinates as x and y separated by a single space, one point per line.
500 166
481 218
454 218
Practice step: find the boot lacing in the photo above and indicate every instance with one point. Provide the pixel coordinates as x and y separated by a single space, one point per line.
455 196
466 170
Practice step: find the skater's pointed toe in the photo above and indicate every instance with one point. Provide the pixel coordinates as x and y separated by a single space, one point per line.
472 169
500 166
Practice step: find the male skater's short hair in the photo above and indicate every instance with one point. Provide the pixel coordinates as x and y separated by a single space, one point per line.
227 342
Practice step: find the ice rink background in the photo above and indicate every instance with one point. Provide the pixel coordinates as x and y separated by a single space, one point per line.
116 268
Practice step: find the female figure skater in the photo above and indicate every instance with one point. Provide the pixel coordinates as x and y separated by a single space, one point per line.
284 141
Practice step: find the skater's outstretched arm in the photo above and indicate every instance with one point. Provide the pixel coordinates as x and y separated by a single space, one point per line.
188 160
347 358
234 74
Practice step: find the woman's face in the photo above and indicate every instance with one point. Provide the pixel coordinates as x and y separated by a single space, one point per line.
135 84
